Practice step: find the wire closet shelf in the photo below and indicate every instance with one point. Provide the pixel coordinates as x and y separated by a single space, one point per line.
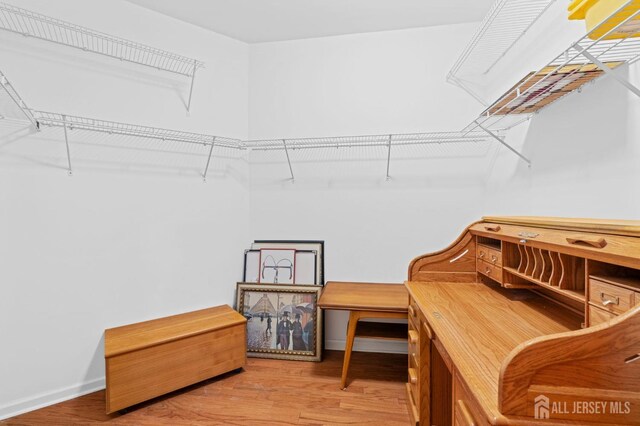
71 122
44 27
506 23
385 140
567 70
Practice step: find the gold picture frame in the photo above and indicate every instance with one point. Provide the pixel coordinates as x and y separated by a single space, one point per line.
283 321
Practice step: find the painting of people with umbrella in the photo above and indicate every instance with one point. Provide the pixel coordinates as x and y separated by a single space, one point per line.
282 320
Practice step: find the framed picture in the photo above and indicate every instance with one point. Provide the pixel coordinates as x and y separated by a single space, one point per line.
305 271
300 245
283 321
277 266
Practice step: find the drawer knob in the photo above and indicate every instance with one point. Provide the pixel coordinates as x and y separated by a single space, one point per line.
494 258
488 271
413 337
427 330
413 376
606 301
412 311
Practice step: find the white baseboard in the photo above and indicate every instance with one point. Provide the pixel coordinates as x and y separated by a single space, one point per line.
369 345
25 405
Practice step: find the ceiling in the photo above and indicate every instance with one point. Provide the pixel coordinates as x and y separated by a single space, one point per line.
257 21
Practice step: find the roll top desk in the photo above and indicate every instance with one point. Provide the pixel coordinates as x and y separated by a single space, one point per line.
527 321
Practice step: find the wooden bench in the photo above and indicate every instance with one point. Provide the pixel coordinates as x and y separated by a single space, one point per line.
152 358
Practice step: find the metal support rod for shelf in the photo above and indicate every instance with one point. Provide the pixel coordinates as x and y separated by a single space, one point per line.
499 139
286 150
206 168
389 157
15 97
193 77
66 141
607 70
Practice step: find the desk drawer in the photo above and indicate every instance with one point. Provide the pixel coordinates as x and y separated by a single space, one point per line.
489 255
414 344
414 380
598 316
414 412
611 298
466 411
413 313
492 271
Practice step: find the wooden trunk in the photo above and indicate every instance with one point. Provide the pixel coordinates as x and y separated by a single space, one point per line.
152 358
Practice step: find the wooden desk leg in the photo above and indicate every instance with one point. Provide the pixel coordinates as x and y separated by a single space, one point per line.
354 316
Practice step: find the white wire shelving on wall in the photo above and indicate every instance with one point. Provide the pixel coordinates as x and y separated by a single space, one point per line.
33 24
69 123
583 61
505 24
387 141
42 119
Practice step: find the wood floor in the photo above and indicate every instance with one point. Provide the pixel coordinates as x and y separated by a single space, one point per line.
267 392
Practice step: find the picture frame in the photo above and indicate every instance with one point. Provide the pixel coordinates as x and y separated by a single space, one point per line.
314 245
283 321
306 267
277 266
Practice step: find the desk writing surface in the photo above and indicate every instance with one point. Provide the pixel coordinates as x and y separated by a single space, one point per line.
479 326
364 296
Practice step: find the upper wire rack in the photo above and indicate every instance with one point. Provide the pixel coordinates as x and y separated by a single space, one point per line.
505 24
112 127
562 72
44 27
365 141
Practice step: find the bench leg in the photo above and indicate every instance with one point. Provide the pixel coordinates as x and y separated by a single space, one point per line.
351 335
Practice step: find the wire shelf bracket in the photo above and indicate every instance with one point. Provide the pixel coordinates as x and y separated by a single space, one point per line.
15 97
66 141
509 147
43 27
206 168
286 150
389 157
626 83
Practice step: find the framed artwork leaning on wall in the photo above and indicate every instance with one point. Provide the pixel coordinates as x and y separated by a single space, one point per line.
283 321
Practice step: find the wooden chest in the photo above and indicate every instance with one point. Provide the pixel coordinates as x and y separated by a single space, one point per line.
151 358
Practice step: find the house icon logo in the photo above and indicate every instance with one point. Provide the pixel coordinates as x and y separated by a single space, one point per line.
541 407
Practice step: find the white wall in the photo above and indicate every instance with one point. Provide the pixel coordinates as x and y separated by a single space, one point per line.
586 153
390 82
134 234
584 149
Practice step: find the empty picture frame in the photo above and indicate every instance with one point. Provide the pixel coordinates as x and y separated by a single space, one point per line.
277 266
314 245
251 266
305 267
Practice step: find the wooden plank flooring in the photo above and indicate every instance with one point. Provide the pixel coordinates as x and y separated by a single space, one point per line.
267 392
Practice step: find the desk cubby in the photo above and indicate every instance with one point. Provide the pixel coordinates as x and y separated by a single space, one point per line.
526 266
